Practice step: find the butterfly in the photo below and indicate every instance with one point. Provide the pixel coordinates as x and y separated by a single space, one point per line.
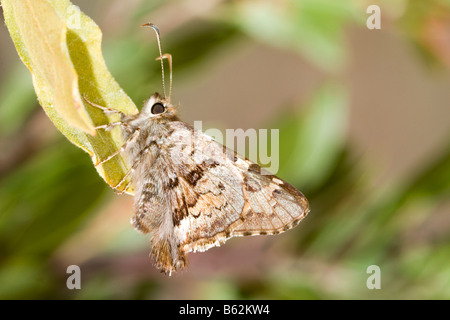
191 192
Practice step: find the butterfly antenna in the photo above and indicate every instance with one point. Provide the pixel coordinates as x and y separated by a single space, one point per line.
162 57
168 56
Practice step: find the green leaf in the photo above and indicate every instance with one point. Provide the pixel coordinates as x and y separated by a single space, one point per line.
62 49
18 99
46 207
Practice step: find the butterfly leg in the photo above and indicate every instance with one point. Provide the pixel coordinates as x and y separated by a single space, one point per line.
132 169
104 109
116 187
111 125
133 138
108 127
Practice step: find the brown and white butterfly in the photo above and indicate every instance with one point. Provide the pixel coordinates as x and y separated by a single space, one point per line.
191 192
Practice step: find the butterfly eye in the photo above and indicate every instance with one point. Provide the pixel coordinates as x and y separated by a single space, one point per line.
158 108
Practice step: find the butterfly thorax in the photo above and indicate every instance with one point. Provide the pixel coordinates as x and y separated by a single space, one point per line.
147 128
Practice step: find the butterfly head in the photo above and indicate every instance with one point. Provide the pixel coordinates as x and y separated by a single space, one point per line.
158 107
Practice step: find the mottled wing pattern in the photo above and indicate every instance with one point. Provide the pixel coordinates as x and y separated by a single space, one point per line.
183 196
196 194
226 195
272 205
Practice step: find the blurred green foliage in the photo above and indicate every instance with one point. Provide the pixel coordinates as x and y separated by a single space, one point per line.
50 193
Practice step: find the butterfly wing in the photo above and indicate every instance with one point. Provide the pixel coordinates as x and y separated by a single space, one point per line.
197 194
227 196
